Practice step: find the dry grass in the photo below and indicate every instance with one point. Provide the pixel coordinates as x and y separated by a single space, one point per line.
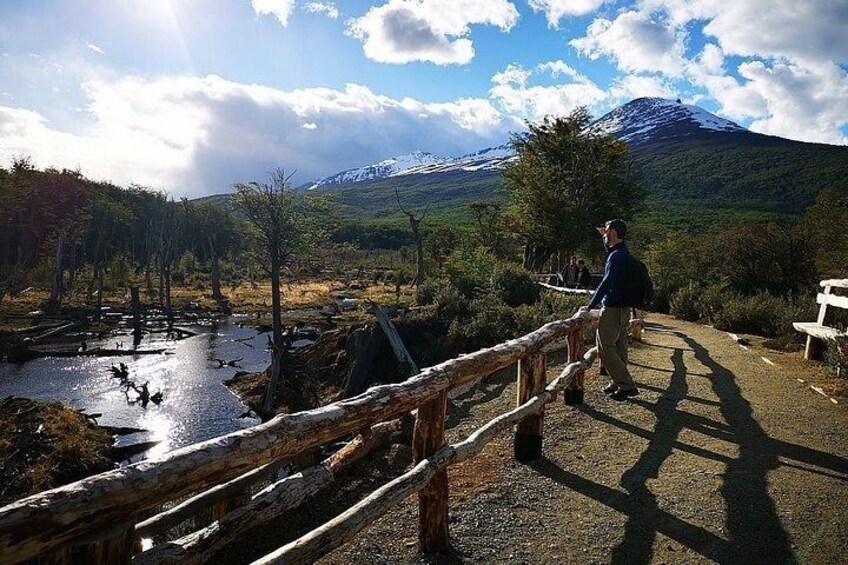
45 445
245 297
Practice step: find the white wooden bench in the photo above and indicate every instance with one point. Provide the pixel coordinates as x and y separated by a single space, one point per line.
819 332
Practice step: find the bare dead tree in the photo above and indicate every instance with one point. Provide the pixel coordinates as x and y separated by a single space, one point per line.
417 237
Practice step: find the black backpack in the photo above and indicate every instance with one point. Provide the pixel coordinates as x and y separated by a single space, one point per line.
639 288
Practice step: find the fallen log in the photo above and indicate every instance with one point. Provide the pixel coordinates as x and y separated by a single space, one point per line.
45 522
174 329
341 529
121 430
40 328
408 366
21 355
286 494
58 330
124 452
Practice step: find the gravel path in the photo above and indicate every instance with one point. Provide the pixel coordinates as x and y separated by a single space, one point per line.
722 458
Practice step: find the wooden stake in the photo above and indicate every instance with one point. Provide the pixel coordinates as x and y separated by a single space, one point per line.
428 437
576 347
532 379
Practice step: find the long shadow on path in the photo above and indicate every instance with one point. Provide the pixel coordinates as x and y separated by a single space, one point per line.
755 532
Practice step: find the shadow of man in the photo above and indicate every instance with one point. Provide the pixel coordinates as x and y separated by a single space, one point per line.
753 526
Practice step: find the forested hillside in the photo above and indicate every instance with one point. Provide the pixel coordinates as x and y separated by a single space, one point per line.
741 170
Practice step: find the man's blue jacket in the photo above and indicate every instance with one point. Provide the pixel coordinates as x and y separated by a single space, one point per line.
611 290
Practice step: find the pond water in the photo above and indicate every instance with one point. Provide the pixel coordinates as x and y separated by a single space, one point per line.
196 405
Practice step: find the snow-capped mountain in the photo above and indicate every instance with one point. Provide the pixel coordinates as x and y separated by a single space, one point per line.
686 156
639 121
653 119
386 168
418 162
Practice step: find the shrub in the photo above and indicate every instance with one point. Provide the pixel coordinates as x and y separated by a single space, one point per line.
426 292
762 314
471 270
686 303
491 322
450 304
712 301
514 285
562 306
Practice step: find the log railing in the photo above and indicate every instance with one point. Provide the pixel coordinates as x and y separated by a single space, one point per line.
101 518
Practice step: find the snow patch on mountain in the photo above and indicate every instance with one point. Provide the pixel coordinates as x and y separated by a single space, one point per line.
386 168
638 121
419 163
656 118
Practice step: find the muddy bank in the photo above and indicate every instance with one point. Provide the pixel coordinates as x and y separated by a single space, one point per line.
45 445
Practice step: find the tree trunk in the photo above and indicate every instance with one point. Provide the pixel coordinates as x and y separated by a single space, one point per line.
56 279
95 260
161 281
216 272
276 308
419 249
535 256
136 314
277 325
167 292
99 288
148 279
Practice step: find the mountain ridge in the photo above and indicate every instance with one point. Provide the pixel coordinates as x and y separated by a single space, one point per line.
688 158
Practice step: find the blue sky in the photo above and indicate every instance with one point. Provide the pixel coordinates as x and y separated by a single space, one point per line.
190 95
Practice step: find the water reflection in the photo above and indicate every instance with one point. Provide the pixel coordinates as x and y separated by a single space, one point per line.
195 404
162 430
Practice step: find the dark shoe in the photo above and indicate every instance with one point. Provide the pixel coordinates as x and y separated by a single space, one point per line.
610 388
624 394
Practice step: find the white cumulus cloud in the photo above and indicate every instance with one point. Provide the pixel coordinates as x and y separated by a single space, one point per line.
197 135
628 87
533 102
280 9
327 8
435 31
808 103
555 10
636 41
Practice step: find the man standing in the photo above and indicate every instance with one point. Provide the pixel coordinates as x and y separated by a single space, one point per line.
614 324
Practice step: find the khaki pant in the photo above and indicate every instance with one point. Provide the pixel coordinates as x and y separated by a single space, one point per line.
613 331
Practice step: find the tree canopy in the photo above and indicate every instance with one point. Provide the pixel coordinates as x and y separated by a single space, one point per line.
565 181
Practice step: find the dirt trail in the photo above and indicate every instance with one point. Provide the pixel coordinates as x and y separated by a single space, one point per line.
723 458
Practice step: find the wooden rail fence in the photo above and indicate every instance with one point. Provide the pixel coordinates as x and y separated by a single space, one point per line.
101 519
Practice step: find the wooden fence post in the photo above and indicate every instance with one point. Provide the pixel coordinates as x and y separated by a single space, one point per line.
532 379
576 348
636 325
428 437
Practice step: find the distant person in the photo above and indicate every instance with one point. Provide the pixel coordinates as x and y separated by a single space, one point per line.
571 273
584 276
614 324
